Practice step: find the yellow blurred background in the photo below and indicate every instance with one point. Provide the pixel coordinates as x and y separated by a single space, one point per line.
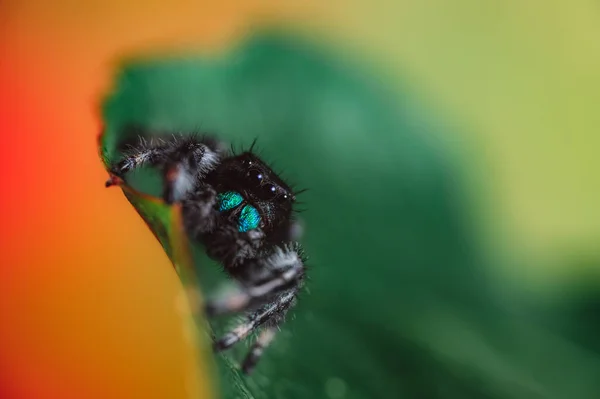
87 305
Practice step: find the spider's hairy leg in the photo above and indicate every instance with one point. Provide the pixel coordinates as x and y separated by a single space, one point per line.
271 285
270 315
265 337
227 244
188 161
199 214
145 152
280 270
183 160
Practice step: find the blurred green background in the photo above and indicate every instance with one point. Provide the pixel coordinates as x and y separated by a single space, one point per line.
522 80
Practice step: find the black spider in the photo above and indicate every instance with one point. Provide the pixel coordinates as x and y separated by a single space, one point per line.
242 212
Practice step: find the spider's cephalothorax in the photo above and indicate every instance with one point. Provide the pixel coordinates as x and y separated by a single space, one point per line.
242 212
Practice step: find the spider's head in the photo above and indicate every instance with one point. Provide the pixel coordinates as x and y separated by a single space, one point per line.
257 185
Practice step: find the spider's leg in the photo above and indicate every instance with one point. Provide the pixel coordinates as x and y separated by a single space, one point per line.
280 270
144 153
199 214
271 314
271 285
189 160
184 160
231 247
264 339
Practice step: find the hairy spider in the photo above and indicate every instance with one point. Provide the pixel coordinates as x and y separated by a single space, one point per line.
241 211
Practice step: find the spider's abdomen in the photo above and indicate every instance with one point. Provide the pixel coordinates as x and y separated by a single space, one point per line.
248 217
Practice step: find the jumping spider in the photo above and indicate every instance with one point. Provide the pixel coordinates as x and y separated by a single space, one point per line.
241 211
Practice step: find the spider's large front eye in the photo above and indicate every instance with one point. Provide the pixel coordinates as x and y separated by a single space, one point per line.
255 176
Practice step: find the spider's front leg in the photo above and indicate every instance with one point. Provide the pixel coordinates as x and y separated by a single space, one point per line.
269 316
270 286
183 161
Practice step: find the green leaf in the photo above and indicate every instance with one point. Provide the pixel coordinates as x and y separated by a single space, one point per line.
167 225
399 303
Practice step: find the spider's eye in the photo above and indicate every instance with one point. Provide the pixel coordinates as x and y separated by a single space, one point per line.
269 190
255 176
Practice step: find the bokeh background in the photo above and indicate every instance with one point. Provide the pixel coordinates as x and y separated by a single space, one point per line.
87 296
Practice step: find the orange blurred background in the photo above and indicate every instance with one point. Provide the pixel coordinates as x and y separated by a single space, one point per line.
87 295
